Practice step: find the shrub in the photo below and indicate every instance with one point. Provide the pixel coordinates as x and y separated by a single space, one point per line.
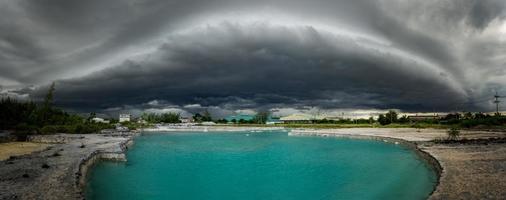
453 133
23 130
49 129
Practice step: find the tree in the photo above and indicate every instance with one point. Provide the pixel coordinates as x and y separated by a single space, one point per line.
261 117
383 120
197 117
403 119
480 116
48 100
91 116
391 116
43 114
161 118
170 118
206 116
371 120
468 115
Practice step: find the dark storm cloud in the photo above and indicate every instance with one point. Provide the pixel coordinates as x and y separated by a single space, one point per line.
484 11
220 54
267 65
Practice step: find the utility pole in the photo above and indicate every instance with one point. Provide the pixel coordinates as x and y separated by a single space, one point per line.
496 101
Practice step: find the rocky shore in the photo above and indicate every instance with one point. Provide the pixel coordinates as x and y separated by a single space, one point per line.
474 169
59 171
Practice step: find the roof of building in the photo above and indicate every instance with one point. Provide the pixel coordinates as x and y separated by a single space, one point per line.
273 119
297 117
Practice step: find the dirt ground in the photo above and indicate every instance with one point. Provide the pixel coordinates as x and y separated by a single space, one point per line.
20 148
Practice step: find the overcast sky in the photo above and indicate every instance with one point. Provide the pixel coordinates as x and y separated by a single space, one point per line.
241 55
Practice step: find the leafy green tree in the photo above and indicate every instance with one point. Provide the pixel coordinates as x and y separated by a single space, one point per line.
403 119
391 116
170 118
206 116
91 116
383 120
261 117
468 115
161 118
197 117
371 120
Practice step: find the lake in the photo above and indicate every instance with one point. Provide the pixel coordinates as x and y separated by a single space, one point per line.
261 165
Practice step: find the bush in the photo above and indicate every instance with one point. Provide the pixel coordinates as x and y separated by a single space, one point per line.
453 133
49 129
416 125
383 120
25 129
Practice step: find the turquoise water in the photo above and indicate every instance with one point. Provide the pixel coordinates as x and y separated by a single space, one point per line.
265 165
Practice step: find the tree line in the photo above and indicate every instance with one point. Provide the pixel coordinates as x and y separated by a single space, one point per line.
28 117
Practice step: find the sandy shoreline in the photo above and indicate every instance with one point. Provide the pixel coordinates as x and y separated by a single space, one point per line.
467 171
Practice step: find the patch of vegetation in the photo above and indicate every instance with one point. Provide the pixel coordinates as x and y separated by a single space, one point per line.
204 117
161 118
453 133
28 118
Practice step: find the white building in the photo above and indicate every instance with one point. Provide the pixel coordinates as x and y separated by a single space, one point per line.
297 118
124 117
99 120
186 120
208 123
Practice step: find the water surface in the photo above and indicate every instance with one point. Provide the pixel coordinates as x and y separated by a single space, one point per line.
265 165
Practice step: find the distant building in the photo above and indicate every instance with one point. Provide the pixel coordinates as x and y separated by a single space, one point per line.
99 120
186 120
297 118
273 120
208 123
124 117
502 113
424 116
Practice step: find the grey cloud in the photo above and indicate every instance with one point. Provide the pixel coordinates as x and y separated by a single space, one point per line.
484 11
421 55
233 64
